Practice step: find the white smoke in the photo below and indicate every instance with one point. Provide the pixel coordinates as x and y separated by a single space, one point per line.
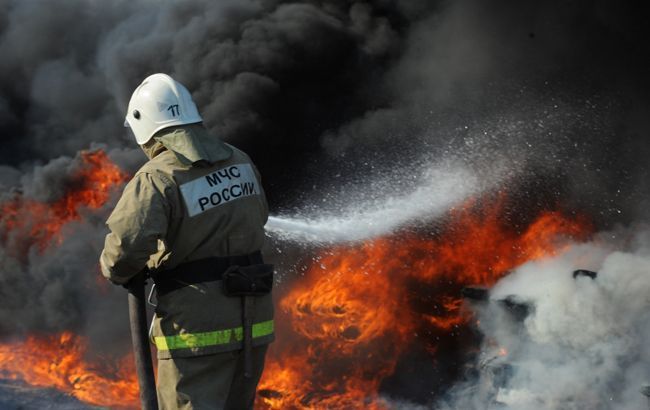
585 343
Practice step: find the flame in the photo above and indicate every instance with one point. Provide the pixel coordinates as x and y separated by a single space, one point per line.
38 223
58 362
345 324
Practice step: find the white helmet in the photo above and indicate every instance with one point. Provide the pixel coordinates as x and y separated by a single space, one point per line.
159 102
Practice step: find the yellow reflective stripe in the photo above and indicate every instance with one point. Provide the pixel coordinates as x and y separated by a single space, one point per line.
262 329
205 339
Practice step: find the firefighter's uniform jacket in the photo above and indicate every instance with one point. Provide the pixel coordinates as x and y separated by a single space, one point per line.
196 198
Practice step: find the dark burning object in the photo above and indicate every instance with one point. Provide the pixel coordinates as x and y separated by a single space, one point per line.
516 307
584 272
270 394
513 305
477 294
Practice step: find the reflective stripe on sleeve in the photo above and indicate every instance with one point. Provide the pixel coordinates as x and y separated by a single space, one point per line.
205 339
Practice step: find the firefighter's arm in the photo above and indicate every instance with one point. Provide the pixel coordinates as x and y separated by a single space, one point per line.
138 222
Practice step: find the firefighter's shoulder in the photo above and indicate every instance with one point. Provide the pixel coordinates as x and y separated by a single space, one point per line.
161 167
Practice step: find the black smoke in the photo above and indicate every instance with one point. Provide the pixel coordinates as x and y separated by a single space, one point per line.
307 82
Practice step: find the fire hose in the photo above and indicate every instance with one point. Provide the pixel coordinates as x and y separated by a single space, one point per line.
140 339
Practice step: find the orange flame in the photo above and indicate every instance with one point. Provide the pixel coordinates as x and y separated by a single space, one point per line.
58 362
39 223
344 325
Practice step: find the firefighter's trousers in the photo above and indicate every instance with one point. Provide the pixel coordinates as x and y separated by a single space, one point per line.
210 382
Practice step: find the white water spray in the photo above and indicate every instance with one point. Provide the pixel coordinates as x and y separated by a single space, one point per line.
435 192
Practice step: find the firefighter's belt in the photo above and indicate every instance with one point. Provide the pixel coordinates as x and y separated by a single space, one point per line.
253 280
202 270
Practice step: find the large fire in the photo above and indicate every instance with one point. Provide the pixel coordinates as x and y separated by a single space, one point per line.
341 328
345 324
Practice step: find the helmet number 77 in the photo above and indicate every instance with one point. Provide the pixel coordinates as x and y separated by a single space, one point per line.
174 110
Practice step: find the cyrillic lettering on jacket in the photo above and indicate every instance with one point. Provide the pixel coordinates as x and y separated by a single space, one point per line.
219 187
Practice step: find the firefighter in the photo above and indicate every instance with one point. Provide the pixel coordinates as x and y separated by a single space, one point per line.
193 217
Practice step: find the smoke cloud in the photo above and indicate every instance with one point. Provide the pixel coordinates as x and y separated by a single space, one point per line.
583 344
51 282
